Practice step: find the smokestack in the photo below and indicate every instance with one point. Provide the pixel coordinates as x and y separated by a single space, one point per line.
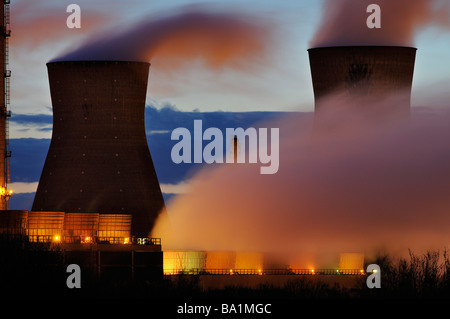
5 153
98 160
364 75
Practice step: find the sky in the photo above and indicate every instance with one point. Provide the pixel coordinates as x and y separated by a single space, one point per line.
277 81
39 34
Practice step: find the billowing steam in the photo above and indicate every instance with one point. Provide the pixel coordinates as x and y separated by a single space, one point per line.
361 186
219 38
344 22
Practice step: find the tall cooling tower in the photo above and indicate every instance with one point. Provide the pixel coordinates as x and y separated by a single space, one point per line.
99 160
364 74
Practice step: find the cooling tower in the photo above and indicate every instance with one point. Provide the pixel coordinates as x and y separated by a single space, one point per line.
99 160
364 74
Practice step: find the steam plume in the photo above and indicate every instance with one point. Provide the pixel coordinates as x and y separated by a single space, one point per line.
360 187
344 22
219 38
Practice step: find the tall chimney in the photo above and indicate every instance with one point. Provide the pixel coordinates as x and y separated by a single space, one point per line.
5 153
364 74
99 160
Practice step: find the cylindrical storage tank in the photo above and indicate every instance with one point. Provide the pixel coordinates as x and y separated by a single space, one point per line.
178 261
99 160
221 260
366 74
351 263
249 261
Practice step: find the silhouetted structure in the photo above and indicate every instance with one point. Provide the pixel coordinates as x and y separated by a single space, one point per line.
5 153
98 160
364 74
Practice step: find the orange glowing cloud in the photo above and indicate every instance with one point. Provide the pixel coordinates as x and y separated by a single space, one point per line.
344 22
33 24
219 39
359 188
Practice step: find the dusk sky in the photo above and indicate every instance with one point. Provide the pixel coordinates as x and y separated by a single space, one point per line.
261 160
274 77
280 82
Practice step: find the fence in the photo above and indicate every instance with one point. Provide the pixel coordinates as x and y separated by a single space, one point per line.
287 271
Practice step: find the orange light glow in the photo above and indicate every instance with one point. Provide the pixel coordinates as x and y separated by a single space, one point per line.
5 192
57 238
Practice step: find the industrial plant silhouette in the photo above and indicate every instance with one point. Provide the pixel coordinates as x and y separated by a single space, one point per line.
99 160
99 197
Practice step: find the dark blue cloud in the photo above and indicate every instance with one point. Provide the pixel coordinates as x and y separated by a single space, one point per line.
32 119
28 154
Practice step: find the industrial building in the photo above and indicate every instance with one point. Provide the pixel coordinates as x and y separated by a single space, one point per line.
100 243
221 269
99 195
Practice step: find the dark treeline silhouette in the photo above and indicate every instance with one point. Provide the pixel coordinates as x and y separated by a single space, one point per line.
37 271
418 276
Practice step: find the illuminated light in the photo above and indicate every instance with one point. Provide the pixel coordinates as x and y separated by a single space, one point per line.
57 238
87 239
312 271
126 240
374 270
231 271
361 271
259 271
5 192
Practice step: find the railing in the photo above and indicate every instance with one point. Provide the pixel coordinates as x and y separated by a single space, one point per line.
233 272
82 239
128 240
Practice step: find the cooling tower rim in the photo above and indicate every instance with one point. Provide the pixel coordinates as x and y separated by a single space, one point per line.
96 62
362 47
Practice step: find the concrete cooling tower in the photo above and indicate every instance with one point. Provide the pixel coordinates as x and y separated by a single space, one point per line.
99 160
364 74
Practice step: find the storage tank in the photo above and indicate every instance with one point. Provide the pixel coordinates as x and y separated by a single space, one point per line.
364 75
99 160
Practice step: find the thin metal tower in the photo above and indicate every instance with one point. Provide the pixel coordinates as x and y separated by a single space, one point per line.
5 113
